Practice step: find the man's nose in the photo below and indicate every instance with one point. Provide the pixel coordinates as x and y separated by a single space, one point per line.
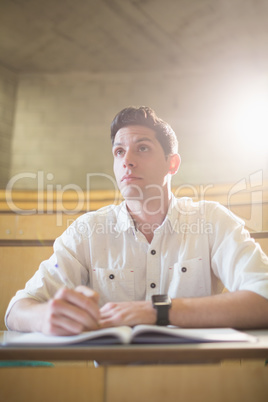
129 159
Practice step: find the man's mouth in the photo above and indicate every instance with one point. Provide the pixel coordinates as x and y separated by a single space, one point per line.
129 178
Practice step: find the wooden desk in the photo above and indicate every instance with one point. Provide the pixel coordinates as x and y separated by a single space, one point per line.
122 354
136 383
172 383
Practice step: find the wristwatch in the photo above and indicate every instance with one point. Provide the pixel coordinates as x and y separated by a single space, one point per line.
162 304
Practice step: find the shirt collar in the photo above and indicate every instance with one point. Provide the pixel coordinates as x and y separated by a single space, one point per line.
125 222
172 218
180 209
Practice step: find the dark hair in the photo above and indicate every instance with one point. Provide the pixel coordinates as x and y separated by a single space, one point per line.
145 116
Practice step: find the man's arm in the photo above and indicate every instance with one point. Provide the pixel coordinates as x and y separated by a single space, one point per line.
241 309
69 312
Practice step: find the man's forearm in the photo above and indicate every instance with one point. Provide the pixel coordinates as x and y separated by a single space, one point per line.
26 315
69 312
242 309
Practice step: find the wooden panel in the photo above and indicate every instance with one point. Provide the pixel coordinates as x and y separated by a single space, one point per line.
254 216
264 244
54 211
186 383
23 201
8 226
66 384
241 202
43 227
135 384
17 266
34 227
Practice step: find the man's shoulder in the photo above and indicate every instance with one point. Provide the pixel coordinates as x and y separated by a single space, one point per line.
188 204
212 210
109 212
103 221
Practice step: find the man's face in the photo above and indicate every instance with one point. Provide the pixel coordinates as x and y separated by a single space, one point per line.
140 165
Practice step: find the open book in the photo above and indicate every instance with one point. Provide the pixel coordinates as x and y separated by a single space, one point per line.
141 334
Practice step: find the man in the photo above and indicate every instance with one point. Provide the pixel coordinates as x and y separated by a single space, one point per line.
117 258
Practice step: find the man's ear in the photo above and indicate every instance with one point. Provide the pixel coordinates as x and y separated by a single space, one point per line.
174 164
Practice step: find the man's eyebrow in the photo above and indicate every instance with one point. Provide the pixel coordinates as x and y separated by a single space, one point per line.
137 141
117 143
144 139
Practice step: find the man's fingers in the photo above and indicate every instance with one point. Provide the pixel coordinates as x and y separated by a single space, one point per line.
65 314
79 299
88 292
108 307
61 326
74 310
127 313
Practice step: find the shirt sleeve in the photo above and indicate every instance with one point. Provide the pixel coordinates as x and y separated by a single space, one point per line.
70 257
236 258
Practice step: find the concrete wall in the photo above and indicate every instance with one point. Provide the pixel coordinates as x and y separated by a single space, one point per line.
8 86
61 128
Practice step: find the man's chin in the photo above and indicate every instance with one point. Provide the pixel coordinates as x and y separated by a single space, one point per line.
132 192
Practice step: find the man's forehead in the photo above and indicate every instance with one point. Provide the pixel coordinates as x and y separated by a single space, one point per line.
135 134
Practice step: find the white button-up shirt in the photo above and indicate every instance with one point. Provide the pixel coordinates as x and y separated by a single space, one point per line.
199 249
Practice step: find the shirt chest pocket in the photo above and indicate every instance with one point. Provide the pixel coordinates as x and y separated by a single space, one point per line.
113 284
188 279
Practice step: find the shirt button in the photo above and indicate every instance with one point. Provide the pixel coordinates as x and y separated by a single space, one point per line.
184 269
153 252
111 276
153 285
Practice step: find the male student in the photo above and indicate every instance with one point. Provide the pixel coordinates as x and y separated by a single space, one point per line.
180 252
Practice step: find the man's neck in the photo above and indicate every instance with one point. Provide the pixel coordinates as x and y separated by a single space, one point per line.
148 215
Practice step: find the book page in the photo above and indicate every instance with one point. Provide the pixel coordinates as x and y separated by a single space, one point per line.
152 333
145 334
109 335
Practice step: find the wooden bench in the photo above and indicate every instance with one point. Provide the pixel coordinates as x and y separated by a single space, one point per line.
18 264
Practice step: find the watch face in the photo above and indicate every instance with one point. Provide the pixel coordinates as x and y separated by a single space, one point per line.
161 300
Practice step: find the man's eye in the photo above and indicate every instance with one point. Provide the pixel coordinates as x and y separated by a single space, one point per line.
143 148
119 152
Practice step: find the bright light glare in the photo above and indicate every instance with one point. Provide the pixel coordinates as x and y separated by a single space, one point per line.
250 118
252 115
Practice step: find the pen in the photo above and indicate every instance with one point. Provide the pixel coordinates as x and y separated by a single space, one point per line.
64 278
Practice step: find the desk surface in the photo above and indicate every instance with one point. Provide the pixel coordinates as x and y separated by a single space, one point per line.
200 352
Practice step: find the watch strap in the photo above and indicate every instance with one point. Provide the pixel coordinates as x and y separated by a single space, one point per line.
162 315
162 304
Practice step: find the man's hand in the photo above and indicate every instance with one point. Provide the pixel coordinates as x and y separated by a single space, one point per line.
127 313
71 312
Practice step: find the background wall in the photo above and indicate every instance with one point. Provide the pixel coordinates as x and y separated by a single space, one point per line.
62 123
66 71
8 87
